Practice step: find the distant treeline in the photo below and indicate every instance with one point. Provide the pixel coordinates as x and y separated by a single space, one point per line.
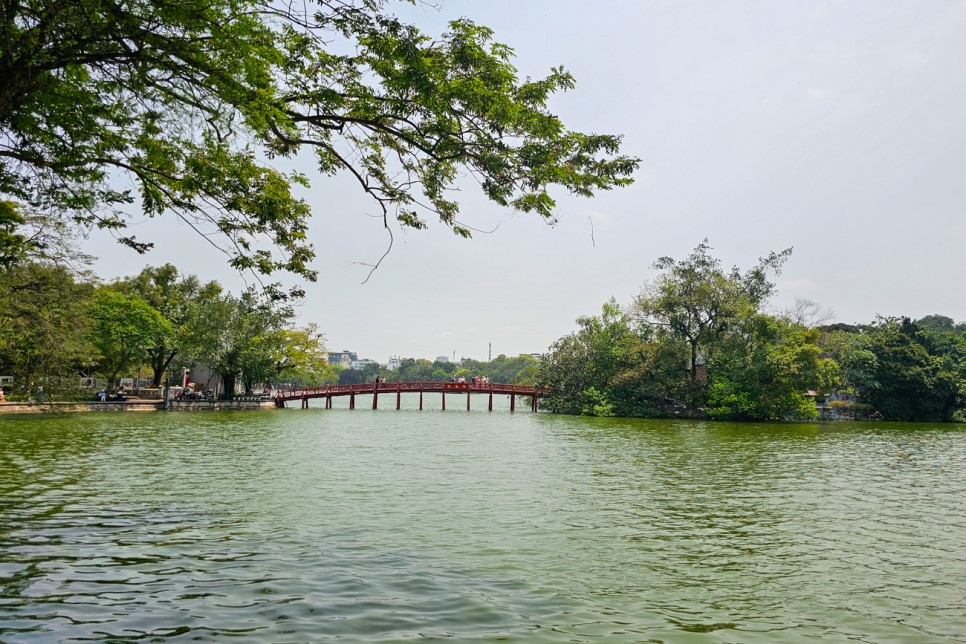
698 342
522 369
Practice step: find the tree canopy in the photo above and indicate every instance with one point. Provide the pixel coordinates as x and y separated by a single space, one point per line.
181 107
695 300
125 329
904 370
695 341
60 330
698 341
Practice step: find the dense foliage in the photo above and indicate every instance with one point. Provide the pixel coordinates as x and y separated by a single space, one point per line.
190 101
698 342
44 326
57 327
903 370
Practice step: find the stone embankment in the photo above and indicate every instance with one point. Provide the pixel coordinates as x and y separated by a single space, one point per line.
135 406
74 407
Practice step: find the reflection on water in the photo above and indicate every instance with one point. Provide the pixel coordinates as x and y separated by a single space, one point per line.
383 526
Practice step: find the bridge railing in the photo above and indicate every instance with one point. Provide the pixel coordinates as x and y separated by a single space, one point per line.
390 387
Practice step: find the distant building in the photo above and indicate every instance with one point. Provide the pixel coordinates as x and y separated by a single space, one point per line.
343 359
359 365
442 358
394 363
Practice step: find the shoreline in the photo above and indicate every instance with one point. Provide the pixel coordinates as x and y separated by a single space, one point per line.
134 406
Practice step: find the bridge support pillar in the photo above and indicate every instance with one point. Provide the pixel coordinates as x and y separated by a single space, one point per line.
534 403
398 397
328 402
491 398
420 400
513 402
352 401
375 398
467 401
444 400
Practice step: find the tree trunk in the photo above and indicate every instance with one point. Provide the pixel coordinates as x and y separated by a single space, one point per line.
228 381
159 365
693 403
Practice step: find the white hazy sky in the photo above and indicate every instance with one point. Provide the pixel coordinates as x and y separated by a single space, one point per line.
838 128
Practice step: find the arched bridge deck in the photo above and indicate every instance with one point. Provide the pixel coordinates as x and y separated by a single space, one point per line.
329 392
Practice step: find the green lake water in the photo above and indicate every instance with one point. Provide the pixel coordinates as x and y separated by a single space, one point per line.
295 526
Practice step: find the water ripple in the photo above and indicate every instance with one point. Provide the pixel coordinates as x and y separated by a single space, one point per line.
388 526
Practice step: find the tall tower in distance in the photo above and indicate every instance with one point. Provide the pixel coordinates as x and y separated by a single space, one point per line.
490 356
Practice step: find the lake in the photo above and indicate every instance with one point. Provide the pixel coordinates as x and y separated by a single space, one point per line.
383 526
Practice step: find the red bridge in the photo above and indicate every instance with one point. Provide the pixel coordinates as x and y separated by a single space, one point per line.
330 391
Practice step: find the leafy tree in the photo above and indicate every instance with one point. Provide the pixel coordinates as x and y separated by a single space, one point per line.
848 347
695 341
302 358
613 366
652 381
33 236
294 355
352 377
764 369
123 329
43 325
239 338
447 366
580 367
522 369
910 375
937 324
417 370
180 301
14 246
189 101
370 371
696 300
